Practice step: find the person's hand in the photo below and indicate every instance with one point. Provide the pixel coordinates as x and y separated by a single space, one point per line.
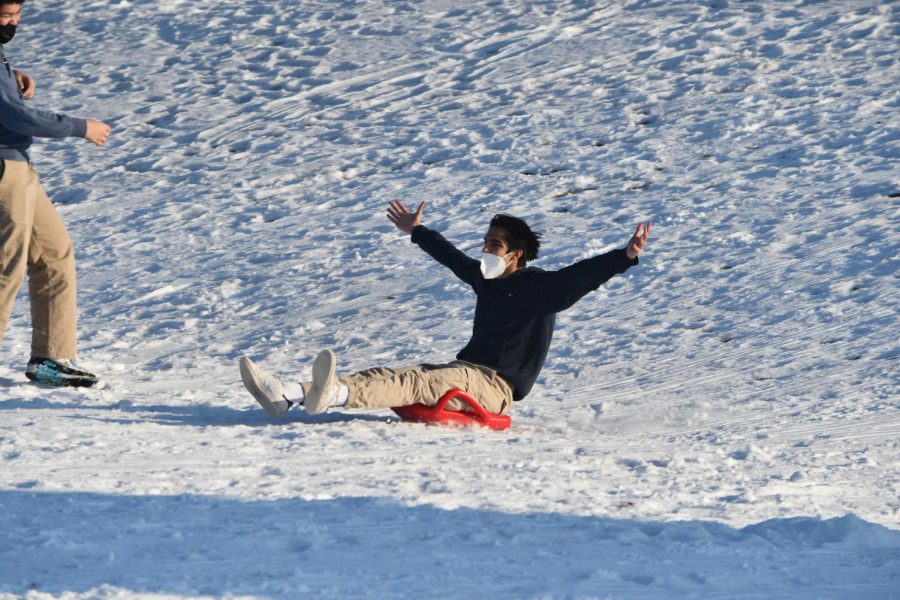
26 84
97 132
404 220
638 240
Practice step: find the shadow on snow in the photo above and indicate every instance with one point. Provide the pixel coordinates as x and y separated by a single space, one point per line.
364 547
201 415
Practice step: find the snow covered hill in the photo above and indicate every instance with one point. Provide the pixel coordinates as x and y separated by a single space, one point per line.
720 422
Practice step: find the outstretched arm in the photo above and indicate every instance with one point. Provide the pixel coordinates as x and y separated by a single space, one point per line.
17 117
96 132
558 290
638 240
404 220
432 242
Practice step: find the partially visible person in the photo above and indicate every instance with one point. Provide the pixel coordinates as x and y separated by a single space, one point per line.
33 238
515 313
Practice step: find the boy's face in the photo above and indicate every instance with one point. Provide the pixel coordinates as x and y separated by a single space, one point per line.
10 12
495 243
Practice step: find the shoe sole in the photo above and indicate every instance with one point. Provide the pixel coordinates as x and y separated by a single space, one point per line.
250 377
323 380
85 382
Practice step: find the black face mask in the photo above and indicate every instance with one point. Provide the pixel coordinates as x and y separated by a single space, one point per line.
6 33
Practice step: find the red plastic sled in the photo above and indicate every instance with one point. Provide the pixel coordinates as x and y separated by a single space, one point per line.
438 413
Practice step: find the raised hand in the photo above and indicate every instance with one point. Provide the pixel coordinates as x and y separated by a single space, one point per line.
404 220
638 240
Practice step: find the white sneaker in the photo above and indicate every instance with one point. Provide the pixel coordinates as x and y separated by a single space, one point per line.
265 387
324 391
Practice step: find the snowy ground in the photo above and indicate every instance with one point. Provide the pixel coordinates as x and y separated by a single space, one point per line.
721 422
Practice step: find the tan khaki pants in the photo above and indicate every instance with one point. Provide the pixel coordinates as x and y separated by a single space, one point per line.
382 387
34 238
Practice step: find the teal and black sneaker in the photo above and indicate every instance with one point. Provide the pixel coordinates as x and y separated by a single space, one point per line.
58 372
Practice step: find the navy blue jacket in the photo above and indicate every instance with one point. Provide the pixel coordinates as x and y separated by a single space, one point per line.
19 124
515 315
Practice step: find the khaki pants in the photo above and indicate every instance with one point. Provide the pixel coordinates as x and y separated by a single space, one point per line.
34 238
382 387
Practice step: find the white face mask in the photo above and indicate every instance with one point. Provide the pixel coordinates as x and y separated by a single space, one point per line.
492 266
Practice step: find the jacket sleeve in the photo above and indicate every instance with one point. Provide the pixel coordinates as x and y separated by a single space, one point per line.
558 290
17 117
464 267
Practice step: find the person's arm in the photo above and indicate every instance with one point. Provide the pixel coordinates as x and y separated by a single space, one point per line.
17 117
433 243
558 290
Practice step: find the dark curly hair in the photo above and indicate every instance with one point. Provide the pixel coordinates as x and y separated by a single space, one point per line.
519 236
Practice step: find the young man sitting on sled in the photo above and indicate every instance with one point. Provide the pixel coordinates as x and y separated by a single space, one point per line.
515 312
